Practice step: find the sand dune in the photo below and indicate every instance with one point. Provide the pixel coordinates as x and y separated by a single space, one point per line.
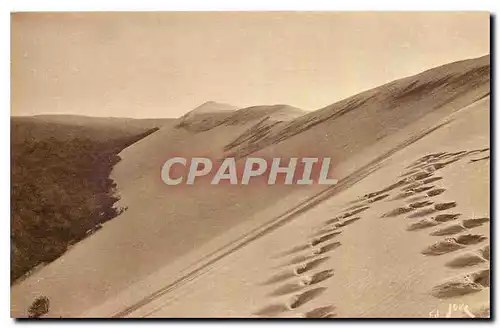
403 234
374 268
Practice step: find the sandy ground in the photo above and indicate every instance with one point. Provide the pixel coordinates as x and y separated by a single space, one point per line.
404 234
338 260
420 253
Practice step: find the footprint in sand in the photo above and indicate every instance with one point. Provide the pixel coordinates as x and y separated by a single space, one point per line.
479 159
485 252
420 198
327 248
432 210
359 210
378 198
306 281
446 217
422 224
436 220
299 258
324 238
458 153
466 284
414 180
320 276
400 183
300 269
413 206
472 223
449 230
411 187
422 189
272 310
444 206
337 222
452 244
397 211
435 192
431 180
465 260
477 151
331 221
442 247
308 266
321 312
422 212
415 191
415 170
347 222
481 277
421 204
315 241
347 214
421 175
355 207
318 251
438 166
428 158
301 299
470 239
293 303
456 228
454 158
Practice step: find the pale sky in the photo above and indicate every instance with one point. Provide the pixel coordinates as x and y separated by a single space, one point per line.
165 64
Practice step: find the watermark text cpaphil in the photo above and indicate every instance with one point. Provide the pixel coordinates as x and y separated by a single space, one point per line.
288 171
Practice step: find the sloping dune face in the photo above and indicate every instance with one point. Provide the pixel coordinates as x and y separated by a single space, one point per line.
408 240
177 226
374 114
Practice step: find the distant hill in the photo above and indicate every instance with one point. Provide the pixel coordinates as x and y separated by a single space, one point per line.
205 116
212 114
65 127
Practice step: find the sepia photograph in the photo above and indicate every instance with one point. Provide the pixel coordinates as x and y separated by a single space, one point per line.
250 165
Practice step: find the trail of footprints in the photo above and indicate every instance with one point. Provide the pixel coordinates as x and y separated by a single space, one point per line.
302 275
457 231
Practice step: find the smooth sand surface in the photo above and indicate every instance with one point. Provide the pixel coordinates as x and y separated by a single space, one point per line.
217 251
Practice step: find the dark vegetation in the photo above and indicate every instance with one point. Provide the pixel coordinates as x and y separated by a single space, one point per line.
39 307
60 186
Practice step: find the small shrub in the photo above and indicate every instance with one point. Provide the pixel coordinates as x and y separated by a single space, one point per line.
39 307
